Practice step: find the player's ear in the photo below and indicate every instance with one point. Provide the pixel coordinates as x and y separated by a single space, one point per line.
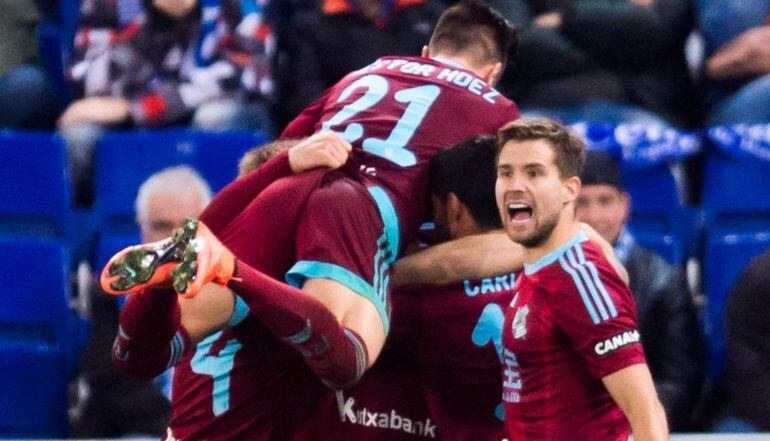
626 205
493 73
570 189
425 52
454 207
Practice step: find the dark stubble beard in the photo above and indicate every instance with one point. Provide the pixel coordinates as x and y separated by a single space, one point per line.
541 234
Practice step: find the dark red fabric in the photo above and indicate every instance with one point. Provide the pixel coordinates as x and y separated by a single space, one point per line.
304 323
149 321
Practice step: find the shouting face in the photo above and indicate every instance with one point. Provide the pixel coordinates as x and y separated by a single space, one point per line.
531 194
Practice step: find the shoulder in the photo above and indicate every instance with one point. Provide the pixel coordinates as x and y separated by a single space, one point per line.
587 278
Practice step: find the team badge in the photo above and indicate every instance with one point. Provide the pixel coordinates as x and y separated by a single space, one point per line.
520 322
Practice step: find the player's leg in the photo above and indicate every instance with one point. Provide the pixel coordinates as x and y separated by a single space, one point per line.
150 336
336 348
339 320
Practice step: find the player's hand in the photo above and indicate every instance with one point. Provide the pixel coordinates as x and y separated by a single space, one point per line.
98 109
324 149
745 56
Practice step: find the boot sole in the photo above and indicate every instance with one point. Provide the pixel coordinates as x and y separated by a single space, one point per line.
138 266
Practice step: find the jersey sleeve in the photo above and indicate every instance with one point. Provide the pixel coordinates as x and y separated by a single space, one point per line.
304 125
511 113
596 311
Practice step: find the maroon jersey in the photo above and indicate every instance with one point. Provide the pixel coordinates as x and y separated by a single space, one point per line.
397 113
242 383
388 403
460 347
571 322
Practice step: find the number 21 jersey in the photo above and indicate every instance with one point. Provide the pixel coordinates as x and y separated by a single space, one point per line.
397 113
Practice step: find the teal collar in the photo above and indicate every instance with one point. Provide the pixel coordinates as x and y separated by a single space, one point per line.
555 254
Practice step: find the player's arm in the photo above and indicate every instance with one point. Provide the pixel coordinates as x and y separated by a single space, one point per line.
469 257
633 390
477 256
596 311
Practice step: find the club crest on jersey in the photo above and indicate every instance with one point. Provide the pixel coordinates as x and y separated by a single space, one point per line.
616 342
519 325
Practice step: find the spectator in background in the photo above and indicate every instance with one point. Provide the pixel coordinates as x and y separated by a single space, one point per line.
153 63
322 46
747 335
26 96
737 37
666 314
604 60
115 405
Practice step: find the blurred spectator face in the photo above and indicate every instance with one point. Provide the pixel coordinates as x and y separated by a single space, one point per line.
605 208
167 211
175 8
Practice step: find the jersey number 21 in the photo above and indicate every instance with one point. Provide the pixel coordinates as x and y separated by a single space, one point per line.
418 100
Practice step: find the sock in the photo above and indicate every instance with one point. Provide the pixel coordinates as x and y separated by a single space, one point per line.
150 336
336 354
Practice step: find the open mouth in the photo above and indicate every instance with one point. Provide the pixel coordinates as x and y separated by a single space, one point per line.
519 212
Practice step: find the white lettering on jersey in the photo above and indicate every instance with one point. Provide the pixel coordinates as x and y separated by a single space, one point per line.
386 420
616 342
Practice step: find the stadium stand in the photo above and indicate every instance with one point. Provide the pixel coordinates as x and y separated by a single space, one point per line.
35 187
214 154
736 182
40 339
651 163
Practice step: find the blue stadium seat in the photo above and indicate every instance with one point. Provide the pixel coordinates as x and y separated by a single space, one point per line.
219 153
35 185
33 391
735 197
668 246
126 159
737 173
727 254
36 351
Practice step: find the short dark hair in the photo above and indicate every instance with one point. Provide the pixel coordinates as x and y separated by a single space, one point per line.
467 169
601 169
471 25
569 149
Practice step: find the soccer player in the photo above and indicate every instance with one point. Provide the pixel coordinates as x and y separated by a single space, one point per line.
460 324
572 361
336 233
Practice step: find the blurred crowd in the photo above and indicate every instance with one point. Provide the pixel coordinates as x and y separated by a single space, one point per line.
255 64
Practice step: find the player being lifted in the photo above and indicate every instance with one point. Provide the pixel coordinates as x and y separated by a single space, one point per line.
572 361
334 234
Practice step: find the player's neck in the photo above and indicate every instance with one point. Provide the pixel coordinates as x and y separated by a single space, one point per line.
565 230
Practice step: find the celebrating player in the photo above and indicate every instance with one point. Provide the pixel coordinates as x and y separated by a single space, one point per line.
334 234
572 361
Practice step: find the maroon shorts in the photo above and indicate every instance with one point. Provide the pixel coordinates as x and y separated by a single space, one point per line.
348 233
320 224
